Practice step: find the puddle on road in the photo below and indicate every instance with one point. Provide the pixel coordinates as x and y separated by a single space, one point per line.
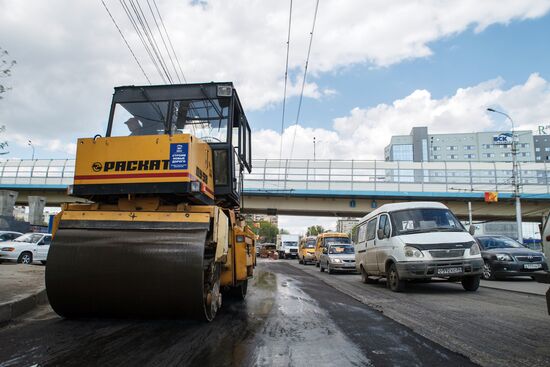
299 333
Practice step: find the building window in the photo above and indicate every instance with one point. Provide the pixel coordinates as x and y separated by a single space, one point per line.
452 147
402 152
469 156
524 145
505 155
488 155
525 154
469 147
452 156
547 149
537 149
424 150
436 148
487 146
437 156
538 158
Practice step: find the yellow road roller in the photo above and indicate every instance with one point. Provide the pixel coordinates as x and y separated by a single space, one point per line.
160 234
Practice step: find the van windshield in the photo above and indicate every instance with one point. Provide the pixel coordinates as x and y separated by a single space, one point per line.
310 244
425 220
331 240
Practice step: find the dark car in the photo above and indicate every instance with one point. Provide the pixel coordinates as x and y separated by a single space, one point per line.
505 257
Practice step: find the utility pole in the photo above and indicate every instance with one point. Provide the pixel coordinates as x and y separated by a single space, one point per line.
515 174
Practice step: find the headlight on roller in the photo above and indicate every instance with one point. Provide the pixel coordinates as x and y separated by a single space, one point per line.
504 257
474 250
195 186
412 252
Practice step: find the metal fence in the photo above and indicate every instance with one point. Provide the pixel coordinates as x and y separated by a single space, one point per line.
332 175
362 175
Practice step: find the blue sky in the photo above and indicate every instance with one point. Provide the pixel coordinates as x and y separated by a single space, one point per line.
511 51
377 67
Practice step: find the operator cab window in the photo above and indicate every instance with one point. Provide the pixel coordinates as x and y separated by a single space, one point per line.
205 119
139 118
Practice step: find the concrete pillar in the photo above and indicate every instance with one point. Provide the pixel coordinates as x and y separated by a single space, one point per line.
7 201
36 210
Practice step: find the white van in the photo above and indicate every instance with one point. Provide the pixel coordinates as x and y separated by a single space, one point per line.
416 240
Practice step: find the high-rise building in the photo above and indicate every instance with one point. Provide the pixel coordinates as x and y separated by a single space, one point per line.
345 225
273 219
420 146
542 148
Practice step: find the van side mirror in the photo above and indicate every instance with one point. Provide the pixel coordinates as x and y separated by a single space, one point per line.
325 250
472 229
381 233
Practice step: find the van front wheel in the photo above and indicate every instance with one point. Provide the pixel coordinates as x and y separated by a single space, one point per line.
393 281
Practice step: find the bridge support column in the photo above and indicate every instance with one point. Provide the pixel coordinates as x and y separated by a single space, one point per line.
36 210
7 202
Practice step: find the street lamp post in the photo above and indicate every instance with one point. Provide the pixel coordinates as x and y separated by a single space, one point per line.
314 148
32 146
515 173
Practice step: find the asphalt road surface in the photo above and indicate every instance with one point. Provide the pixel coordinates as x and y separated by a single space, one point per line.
296 316
492 327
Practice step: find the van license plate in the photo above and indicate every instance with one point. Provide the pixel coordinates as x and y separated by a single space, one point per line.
532 266
447 271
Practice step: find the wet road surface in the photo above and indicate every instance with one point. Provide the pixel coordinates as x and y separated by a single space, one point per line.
290 318
492 327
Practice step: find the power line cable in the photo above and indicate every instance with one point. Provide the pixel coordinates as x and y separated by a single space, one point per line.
141 37
170 42
150 36
162 37
304 79
286 81
126 42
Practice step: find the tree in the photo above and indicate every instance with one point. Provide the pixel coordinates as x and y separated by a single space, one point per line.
315 230
5 71
266 231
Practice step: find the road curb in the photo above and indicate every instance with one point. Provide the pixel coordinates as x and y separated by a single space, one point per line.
11 310
512 290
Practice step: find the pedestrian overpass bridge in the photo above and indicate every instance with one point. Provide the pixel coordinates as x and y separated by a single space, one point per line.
336 187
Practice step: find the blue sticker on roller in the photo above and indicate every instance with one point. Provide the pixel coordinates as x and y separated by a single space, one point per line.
179 155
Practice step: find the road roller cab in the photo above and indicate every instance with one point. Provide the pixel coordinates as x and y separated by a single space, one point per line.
161 235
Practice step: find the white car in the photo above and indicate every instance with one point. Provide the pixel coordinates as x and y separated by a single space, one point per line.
9 235
26 248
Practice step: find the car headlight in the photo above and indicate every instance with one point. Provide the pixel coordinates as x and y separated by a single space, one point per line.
337 261
504 257
474 250
9 249
412 252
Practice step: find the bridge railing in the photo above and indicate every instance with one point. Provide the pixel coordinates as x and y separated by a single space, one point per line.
324 175
363 175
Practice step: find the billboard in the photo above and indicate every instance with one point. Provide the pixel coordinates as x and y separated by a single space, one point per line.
491 197
503 138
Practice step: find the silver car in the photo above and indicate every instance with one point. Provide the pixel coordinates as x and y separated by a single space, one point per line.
337 257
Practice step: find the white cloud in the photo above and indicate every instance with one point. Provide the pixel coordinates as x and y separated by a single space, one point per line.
70 55
364 132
